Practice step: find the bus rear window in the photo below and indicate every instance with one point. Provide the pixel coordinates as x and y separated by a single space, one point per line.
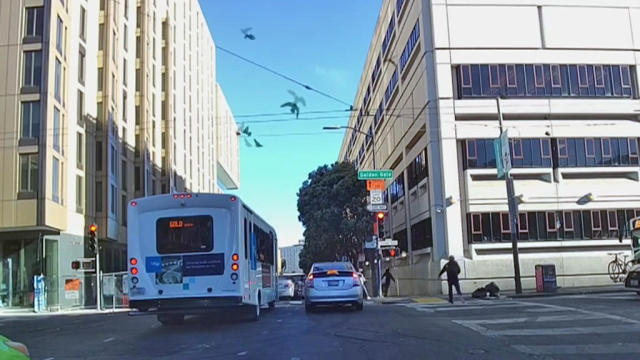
185 234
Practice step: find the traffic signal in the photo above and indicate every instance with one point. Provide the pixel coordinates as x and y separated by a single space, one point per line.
75 265
380 219
391 252
93 240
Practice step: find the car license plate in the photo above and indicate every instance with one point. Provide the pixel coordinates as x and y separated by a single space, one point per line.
634 283
334 282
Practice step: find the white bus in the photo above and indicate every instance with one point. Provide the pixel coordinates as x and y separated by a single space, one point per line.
191 253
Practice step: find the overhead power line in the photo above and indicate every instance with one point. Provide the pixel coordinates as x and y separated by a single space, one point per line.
277 73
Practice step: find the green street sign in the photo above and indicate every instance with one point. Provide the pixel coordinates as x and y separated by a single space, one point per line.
375 174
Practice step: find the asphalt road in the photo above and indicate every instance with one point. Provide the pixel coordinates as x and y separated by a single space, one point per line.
597 326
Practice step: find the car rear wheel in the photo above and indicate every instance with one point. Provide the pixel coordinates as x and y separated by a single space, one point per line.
171 319
359 306
309 308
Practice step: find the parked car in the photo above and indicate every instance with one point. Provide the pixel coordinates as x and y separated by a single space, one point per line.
633 279
291 285
286 288
11 350
333 283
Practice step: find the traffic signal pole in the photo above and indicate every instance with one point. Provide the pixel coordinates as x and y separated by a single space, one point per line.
513 214
98 279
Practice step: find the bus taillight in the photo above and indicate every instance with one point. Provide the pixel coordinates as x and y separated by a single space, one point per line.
133 261
235 267
134 271
235 257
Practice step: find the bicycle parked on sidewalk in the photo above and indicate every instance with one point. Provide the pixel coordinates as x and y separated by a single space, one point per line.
619 266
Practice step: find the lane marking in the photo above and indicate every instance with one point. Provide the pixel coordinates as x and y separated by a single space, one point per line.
616 348
108 339
608 329
243 353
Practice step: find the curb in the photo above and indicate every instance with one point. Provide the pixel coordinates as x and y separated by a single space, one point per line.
581 292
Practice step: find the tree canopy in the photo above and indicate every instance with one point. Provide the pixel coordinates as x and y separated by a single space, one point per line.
332 209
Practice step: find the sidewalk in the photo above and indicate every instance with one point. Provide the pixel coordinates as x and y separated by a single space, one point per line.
528 293
29 312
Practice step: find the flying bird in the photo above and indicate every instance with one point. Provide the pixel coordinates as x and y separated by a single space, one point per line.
297 99
243 130
246 142
293 108
258 145
247 34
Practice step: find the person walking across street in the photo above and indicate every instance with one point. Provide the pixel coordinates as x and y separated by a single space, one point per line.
387 277
452 269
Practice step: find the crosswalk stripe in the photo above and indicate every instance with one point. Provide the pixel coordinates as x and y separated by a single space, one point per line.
616 348
565 331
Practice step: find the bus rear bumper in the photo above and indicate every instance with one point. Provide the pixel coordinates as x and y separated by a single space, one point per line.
183 305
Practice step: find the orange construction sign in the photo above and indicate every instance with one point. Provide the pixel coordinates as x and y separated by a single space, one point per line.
375 184
72 285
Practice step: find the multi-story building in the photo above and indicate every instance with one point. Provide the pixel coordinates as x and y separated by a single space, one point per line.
569 92
104 101
291 255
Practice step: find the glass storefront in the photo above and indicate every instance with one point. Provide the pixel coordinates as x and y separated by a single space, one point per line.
21 261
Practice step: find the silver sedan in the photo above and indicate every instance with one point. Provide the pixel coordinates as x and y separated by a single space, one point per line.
333 283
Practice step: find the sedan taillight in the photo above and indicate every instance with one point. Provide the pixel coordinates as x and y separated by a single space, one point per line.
356 279
309 282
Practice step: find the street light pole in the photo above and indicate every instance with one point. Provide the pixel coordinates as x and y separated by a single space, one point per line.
513 212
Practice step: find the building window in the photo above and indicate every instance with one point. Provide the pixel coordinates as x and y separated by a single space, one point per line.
31 119
56 129
57 90
546 80
523 223
112 199
412 42
98 155
563 151
101 37
391 86
568 221
34 18
505 225
126 9
590 147
516 146
28 173
79 194
123 176
113 45
80 151
99 196
125 41
388 34
80 109
476 224
81 66
100 79
552 222
612 220
83 23
55 182
32 69
59 35
137 176
124 210
113 87
596 223
606 147
112 159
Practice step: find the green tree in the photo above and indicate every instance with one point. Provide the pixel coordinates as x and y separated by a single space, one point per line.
332 208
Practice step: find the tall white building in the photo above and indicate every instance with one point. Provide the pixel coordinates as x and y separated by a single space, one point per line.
291 254
104 101
568 75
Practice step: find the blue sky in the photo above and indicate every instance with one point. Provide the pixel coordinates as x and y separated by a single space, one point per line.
321 43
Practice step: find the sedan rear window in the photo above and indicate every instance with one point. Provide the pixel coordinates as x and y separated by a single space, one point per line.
184 234
333 266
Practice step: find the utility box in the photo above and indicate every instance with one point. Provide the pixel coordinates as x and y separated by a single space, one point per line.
546 278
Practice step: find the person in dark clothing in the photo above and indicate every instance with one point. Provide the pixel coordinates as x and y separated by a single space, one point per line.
387 277
452 269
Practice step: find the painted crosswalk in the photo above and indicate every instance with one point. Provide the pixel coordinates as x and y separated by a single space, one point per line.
539 328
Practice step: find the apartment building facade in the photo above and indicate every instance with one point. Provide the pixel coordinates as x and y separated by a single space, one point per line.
569 99
104 101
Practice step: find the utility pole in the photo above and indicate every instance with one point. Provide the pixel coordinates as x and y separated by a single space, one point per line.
513 210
